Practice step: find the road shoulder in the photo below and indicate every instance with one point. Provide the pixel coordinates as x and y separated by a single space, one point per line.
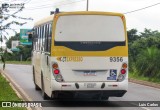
146 83
18 90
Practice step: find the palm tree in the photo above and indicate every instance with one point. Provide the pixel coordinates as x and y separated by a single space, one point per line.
148 62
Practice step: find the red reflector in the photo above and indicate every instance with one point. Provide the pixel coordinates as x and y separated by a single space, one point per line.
115 85
64 85
123 17
123 71
56 71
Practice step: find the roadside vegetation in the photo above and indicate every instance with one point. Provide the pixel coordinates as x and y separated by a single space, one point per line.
19 62
24 53
7 25
7 94
144 55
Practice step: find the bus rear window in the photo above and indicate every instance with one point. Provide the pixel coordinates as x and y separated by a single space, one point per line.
89 32
89 28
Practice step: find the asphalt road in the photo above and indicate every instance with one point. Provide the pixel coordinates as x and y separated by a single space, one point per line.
22 75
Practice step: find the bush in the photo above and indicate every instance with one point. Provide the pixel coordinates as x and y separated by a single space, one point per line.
28 59
148 62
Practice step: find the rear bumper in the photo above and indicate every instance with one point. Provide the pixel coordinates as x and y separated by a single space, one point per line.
82 86
88 94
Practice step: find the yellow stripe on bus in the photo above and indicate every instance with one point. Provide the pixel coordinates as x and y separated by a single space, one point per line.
64 51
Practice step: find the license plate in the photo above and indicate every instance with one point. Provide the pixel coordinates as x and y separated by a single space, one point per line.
90 85
90 73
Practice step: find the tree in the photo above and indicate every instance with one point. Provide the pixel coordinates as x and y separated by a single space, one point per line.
24 51
148 33
5 25
132 35
148 63
9 41
6 22
144 54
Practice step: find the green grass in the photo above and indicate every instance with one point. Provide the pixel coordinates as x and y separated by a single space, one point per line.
19 62
8 94
136 76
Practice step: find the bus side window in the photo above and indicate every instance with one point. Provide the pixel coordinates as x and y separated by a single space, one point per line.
39 34
41 30
46 39
43 38
49 37
37 44
35 38
33 42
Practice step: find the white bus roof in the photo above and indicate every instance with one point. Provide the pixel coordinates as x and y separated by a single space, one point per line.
45 20
50 18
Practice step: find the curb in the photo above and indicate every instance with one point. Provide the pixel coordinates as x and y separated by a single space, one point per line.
18 90
146 83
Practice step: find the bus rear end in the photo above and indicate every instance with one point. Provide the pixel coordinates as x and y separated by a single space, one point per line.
89 55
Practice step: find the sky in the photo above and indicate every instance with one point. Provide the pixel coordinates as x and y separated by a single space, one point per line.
147 18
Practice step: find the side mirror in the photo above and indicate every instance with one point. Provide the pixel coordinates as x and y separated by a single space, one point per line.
30 37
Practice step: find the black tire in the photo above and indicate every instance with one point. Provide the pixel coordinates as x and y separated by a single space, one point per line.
54 95
44 95
35 85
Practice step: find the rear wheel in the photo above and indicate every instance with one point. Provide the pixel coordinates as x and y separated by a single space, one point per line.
44 95
36 86
54 95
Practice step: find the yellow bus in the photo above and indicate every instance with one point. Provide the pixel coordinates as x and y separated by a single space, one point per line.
81 55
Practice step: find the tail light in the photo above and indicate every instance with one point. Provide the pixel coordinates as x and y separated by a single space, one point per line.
57 73
59 78
55 66
123 72
124 66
